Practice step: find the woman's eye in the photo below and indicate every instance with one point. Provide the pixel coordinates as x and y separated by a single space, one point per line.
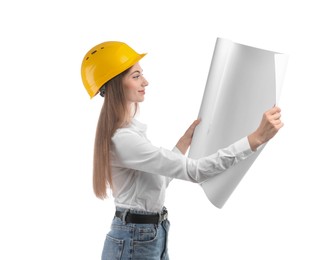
136 77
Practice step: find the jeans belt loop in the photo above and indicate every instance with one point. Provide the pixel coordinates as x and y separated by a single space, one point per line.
124 215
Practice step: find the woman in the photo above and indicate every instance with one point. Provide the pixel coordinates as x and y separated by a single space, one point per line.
136 171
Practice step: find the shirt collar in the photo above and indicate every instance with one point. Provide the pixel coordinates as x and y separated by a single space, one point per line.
138 125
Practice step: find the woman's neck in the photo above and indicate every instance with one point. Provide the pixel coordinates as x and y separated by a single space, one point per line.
130 113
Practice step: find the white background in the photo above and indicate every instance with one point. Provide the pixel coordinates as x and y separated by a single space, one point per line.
48 210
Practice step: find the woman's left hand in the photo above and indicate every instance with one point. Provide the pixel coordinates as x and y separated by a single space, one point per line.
185 141
268 128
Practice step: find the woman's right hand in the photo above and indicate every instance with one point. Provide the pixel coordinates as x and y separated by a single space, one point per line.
185 141
268 128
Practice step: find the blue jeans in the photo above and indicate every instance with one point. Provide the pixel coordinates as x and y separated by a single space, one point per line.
136 241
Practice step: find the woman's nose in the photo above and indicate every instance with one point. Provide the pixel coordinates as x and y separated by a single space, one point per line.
145 82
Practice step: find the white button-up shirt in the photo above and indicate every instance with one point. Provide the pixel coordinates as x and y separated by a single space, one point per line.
141 171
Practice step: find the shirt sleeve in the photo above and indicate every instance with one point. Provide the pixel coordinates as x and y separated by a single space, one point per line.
136 152
176 150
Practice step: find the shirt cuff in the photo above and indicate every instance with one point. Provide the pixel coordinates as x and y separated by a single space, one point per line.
243 147
176 150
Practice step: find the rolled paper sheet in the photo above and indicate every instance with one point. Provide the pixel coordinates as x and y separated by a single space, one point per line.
243 82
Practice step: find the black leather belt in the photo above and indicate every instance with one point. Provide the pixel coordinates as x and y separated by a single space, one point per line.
141 218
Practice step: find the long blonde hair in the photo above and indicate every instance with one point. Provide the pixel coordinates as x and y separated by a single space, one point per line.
114 114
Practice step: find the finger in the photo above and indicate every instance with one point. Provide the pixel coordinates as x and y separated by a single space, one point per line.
276 116
277 127
276 109
276 123
195 123
273 110
191 128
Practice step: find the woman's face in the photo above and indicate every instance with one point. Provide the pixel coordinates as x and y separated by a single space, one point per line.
134 84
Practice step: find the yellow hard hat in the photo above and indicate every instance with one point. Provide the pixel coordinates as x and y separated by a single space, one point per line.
105 61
